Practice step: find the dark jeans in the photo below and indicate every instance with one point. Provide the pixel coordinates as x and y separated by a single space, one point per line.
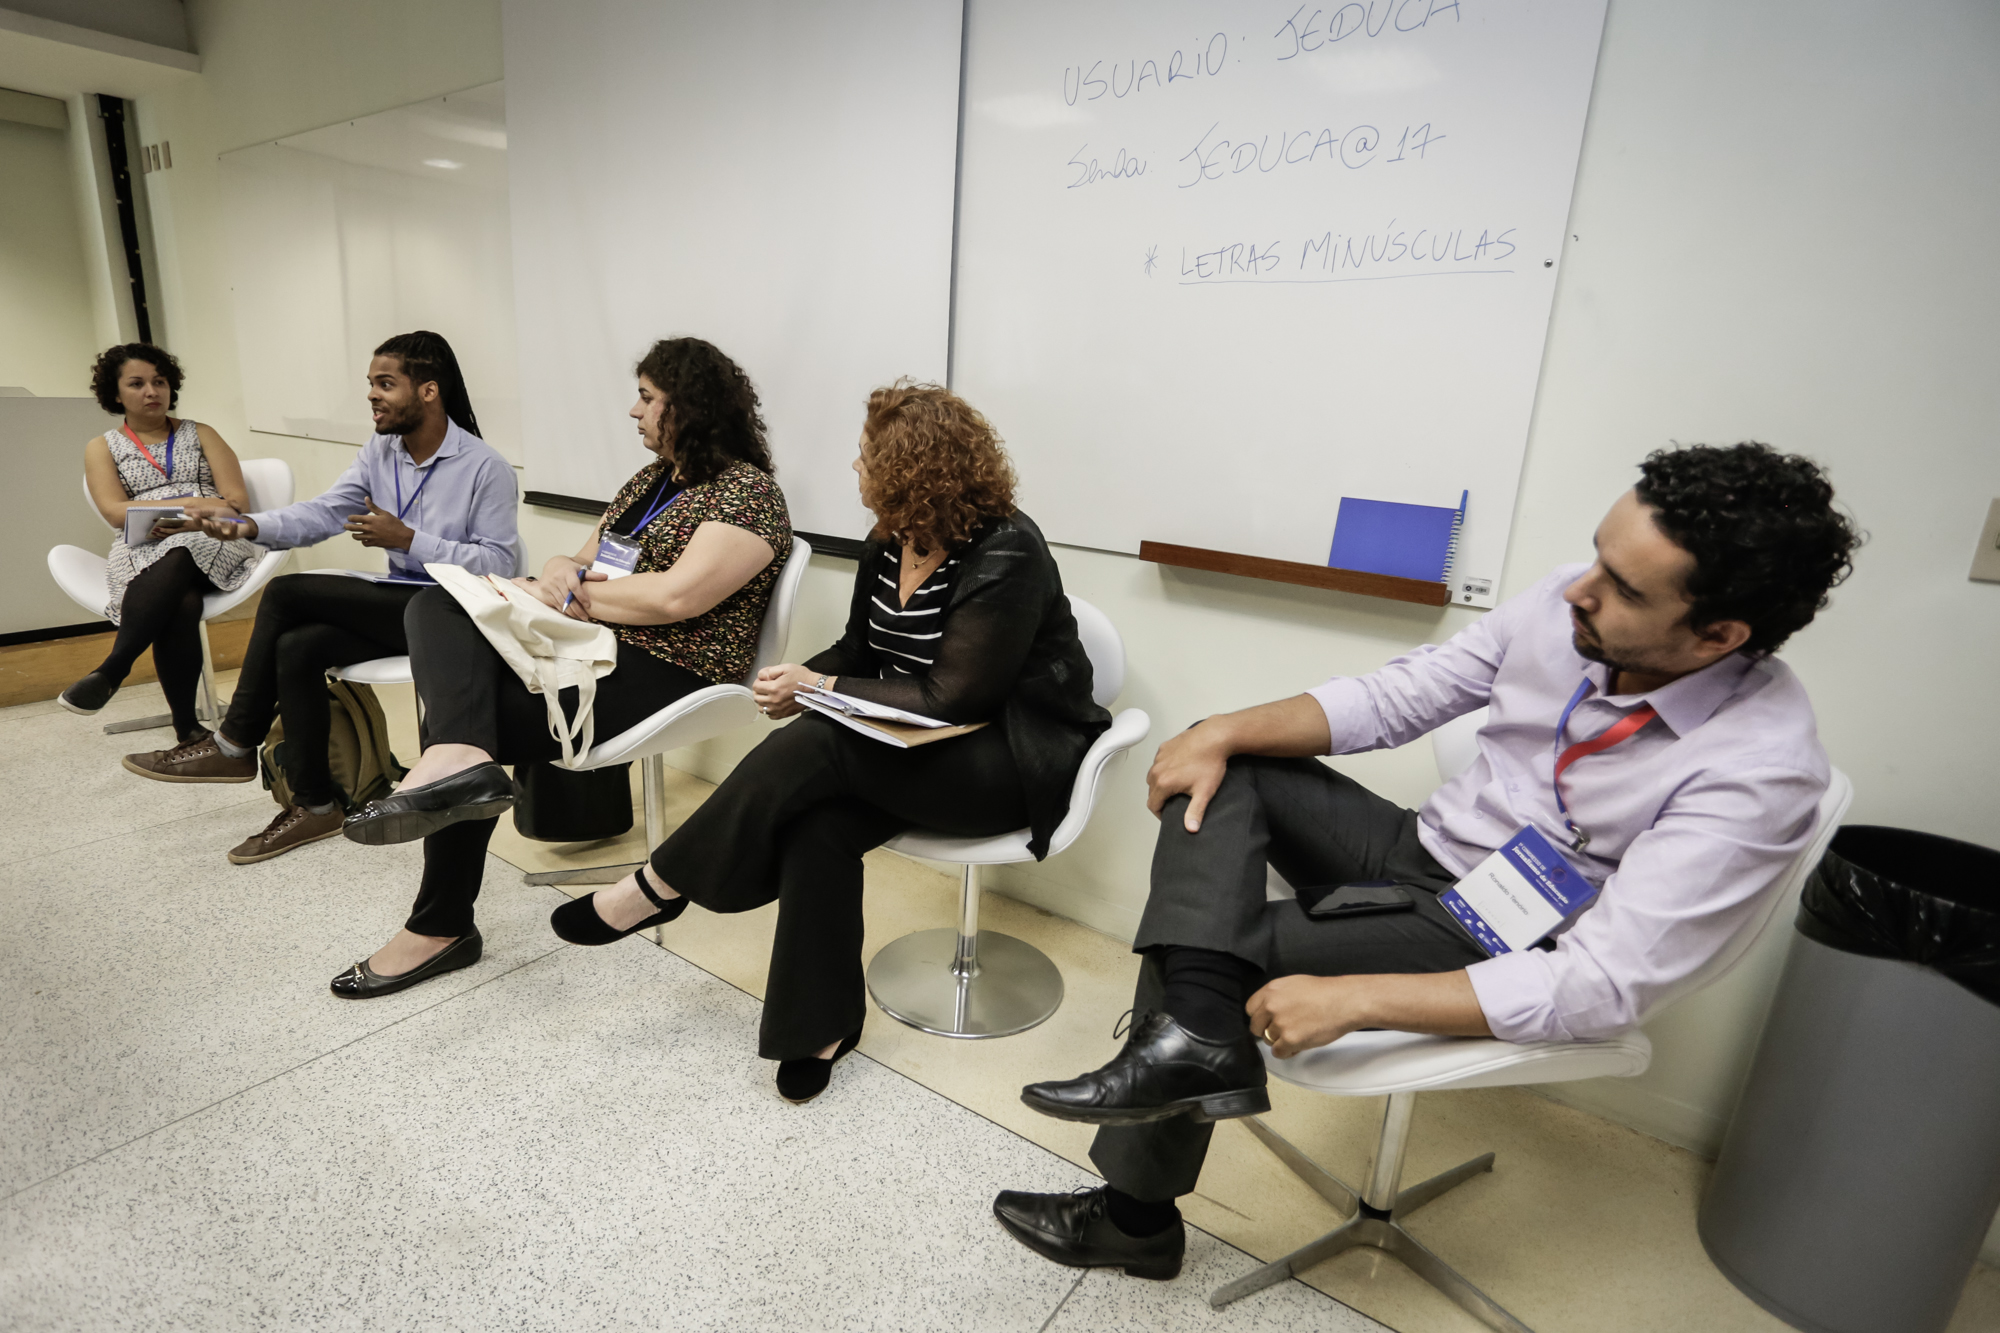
306 625
792 822
1315 827
472 697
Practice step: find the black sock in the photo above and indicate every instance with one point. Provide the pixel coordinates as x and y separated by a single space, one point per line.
1205 990
1138 1218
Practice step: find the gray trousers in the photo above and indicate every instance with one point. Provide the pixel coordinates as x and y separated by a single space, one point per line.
1315 827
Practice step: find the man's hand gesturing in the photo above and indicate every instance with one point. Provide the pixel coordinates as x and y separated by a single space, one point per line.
379 527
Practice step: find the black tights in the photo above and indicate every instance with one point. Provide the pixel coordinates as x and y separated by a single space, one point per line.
162 611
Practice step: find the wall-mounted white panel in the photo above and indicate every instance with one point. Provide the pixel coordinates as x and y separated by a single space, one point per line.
345 236
774 177
1221 265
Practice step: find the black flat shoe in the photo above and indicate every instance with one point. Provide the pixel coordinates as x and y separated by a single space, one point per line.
799 1081
480 792
577 920
1164 1071
89 695
1075 1230
362 982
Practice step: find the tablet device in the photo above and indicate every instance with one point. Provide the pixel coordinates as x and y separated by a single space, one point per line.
139 521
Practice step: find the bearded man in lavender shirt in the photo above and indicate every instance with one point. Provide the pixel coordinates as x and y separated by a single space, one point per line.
1703 570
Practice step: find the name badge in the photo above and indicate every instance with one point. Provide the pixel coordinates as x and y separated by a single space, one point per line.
1516 896
616 556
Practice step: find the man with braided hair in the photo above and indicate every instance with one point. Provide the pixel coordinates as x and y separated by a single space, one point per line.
1637 723
426 489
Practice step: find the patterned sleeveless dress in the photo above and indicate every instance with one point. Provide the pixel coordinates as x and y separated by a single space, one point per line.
227 564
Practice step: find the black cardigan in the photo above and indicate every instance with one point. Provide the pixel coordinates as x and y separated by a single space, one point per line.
1010 654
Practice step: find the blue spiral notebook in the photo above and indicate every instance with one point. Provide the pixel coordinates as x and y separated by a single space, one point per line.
1406 541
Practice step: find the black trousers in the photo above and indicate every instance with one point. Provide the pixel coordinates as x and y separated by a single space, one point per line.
161 610
791 823
1315 827
472 697
306 625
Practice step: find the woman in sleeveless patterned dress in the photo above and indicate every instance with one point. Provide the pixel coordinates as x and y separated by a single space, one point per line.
154 590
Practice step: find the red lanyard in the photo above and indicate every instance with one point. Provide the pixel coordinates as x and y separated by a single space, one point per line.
1618 731
168 470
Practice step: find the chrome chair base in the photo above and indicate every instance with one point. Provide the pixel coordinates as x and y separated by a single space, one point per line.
1374 1226
1010 987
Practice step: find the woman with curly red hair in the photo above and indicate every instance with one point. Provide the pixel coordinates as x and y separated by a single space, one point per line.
958 614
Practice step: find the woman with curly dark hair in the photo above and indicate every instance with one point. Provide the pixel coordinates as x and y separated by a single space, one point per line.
681 568
154 589
958 614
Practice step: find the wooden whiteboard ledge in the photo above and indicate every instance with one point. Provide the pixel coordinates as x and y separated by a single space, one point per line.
1420 591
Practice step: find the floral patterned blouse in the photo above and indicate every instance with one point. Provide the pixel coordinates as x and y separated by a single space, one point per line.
720 644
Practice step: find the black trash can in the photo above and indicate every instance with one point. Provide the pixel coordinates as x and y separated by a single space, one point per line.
1862 1168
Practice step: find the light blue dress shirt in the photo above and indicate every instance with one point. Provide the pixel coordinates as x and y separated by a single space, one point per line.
465 514
1692 821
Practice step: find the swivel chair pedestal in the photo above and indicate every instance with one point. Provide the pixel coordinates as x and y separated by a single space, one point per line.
961 981
1378 1210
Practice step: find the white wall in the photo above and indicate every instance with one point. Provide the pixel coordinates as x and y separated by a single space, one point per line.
258 83
1775 237
46 340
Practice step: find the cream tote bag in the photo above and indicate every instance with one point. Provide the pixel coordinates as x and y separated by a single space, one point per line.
547 650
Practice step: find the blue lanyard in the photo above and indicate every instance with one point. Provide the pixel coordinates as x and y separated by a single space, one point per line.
659 507
397 470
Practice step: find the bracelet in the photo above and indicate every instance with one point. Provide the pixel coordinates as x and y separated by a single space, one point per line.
820 684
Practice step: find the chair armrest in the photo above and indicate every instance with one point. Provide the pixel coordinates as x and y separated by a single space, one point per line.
266 568
80 574
1126 730
688 720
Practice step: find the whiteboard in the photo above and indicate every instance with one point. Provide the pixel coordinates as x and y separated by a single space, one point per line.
1223 264
342 237
774 177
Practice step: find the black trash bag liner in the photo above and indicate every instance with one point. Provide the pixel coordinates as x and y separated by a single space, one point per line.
1892 893
565 805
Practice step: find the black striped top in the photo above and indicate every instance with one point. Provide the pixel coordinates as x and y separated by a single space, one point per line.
906 637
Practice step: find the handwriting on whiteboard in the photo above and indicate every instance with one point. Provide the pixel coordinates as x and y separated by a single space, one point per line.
1314 29
1208 57
1213 158
1393 252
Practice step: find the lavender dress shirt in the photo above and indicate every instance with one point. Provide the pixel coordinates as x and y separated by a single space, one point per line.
466 514
1691 821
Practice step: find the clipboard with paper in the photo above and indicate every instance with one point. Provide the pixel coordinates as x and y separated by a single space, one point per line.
879 722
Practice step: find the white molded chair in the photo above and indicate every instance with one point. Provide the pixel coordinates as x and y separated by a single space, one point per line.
1399 1065
689 720
80 573
396 670
966 982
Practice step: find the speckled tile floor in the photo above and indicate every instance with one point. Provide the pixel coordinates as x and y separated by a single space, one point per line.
194 1135
198 1136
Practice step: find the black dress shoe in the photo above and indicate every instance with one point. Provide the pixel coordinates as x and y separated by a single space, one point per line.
577 921
799 1081
1074 1229
480 792
362 982
89 695
1164 1071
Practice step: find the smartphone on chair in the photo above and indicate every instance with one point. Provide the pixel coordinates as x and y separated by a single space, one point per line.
1366 897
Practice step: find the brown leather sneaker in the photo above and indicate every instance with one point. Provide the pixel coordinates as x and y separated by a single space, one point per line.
199 760
294 826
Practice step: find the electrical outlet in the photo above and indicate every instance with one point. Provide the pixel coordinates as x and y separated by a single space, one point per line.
1986 560
1469 591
